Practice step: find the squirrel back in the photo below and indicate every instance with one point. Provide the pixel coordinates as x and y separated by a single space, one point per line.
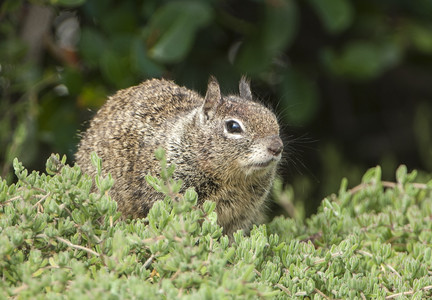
226 147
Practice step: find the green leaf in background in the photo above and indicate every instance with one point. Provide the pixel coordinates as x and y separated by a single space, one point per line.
57 122
92 45
423 133
362 59
173 27
92 96
141 63
336 15
299 95
280 25
421 37
274 35
119 20
70 3
10 6
72 79
116 69
97 9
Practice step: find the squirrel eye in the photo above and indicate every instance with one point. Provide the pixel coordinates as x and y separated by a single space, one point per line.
233 127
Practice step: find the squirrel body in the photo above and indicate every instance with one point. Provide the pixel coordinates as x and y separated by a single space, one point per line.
226 147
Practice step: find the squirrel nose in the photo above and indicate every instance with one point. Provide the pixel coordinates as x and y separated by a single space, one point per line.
276 146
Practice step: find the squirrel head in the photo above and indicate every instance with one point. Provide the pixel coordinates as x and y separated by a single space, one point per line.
243 133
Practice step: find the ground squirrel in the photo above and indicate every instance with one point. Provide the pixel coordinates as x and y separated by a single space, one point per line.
227 147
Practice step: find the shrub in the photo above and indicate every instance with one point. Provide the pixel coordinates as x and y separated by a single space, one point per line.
59 238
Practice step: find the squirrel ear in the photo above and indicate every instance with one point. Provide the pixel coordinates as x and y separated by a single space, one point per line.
213 95
244 87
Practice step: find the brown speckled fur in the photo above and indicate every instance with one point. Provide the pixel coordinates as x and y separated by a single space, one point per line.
136 121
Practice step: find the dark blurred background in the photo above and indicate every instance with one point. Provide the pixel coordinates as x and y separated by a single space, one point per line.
350 80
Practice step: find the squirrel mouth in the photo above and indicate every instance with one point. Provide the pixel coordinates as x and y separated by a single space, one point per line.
264 164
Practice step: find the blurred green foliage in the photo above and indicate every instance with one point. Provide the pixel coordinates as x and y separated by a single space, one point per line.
354 75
